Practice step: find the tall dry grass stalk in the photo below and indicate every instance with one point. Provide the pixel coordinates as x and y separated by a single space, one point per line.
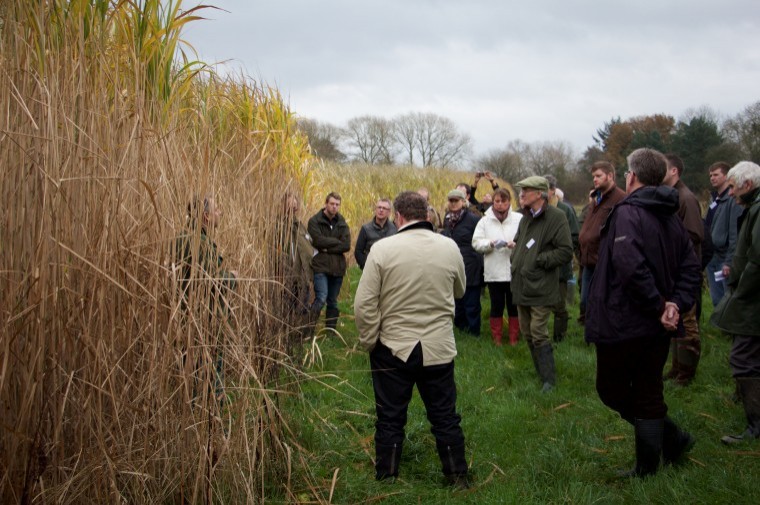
107 385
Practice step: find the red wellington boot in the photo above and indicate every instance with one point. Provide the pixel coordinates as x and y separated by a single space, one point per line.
514 330
497 328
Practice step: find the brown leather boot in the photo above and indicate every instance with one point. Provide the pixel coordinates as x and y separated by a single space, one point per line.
514 330
497 328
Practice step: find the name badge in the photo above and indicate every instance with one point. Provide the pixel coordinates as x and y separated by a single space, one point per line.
713 204
530 243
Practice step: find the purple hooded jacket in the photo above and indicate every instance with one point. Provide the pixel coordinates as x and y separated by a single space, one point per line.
645 259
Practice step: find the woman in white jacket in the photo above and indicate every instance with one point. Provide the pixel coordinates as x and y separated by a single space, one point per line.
493 237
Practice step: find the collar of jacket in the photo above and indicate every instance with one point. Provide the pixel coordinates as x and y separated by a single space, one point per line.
377 226
722 197
658 199
419 225
605 195
528 212
333 221
750 199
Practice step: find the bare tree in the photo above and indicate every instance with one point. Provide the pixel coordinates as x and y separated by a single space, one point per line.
551 157
744 130
434 138
404 128
509 163
372 139
324 139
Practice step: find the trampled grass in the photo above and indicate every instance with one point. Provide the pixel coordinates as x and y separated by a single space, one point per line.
522 446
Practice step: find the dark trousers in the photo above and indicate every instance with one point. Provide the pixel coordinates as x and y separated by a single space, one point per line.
629 377
393 382
501 296
745 356
467 311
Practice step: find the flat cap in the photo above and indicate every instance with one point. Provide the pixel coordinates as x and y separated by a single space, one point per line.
534 182
455 193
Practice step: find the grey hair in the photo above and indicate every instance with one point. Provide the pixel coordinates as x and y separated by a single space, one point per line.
551 180
649 165
745 171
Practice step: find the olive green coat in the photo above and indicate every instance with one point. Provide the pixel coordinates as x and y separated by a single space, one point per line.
542 246
738 312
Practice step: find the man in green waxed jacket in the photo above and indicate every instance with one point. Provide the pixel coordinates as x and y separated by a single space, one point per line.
542 246
331 239
738 313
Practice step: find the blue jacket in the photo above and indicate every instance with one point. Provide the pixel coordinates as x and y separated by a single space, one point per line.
645 259
724 228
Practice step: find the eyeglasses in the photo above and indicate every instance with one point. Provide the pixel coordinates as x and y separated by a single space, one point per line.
454 200
386 209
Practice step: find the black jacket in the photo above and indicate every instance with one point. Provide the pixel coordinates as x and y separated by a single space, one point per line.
645 259
368 235
332 239
462 235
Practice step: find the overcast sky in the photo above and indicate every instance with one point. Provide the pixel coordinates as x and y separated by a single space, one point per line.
501 70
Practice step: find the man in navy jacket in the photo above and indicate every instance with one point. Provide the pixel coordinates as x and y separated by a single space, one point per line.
646 276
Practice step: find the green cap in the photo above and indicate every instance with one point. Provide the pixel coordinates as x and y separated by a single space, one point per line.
534 182
455 193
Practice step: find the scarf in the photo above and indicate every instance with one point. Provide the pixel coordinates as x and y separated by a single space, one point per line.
455 217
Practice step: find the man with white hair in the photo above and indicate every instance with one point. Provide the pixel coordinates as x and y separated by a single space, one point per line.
738 313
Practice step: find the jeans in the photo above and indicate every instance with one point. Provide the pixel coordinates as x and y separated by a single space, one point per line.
717 288
326 290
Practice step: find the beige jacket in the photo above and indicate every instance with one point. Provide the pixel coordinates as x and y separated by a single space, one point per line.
406 294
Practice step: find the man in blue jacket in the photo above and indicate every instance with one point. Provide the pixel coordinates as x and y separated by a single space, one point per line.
646 276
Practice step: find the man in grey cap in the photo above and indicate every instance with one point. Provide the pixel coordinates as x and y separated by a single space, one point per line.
459 225
542 245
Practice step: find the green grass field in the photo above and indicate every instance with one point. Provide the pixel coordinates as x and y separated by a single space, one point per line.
523 446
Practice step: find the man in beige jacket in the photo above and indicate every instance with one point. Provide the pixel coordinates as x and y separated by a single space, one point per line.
404 311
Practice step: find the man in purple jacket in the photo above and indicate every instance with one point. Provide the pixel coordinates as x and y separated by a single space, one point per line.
646 276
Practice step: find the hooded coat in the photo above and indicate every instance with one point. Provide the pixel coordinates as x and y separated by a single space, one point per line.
645 259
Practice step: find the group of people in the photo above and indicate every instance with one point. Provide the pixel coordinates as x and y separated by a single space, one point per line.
641 258
641 252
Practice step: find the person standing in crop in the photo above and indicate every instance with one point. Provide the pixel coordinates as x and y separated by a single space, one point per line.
331 239
404 307
205 285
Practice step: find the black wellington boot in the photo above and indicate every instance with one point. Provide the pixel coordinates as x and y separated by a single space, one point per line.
387 459
649 435
546 369
454 465
675 442
750 396
331 317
